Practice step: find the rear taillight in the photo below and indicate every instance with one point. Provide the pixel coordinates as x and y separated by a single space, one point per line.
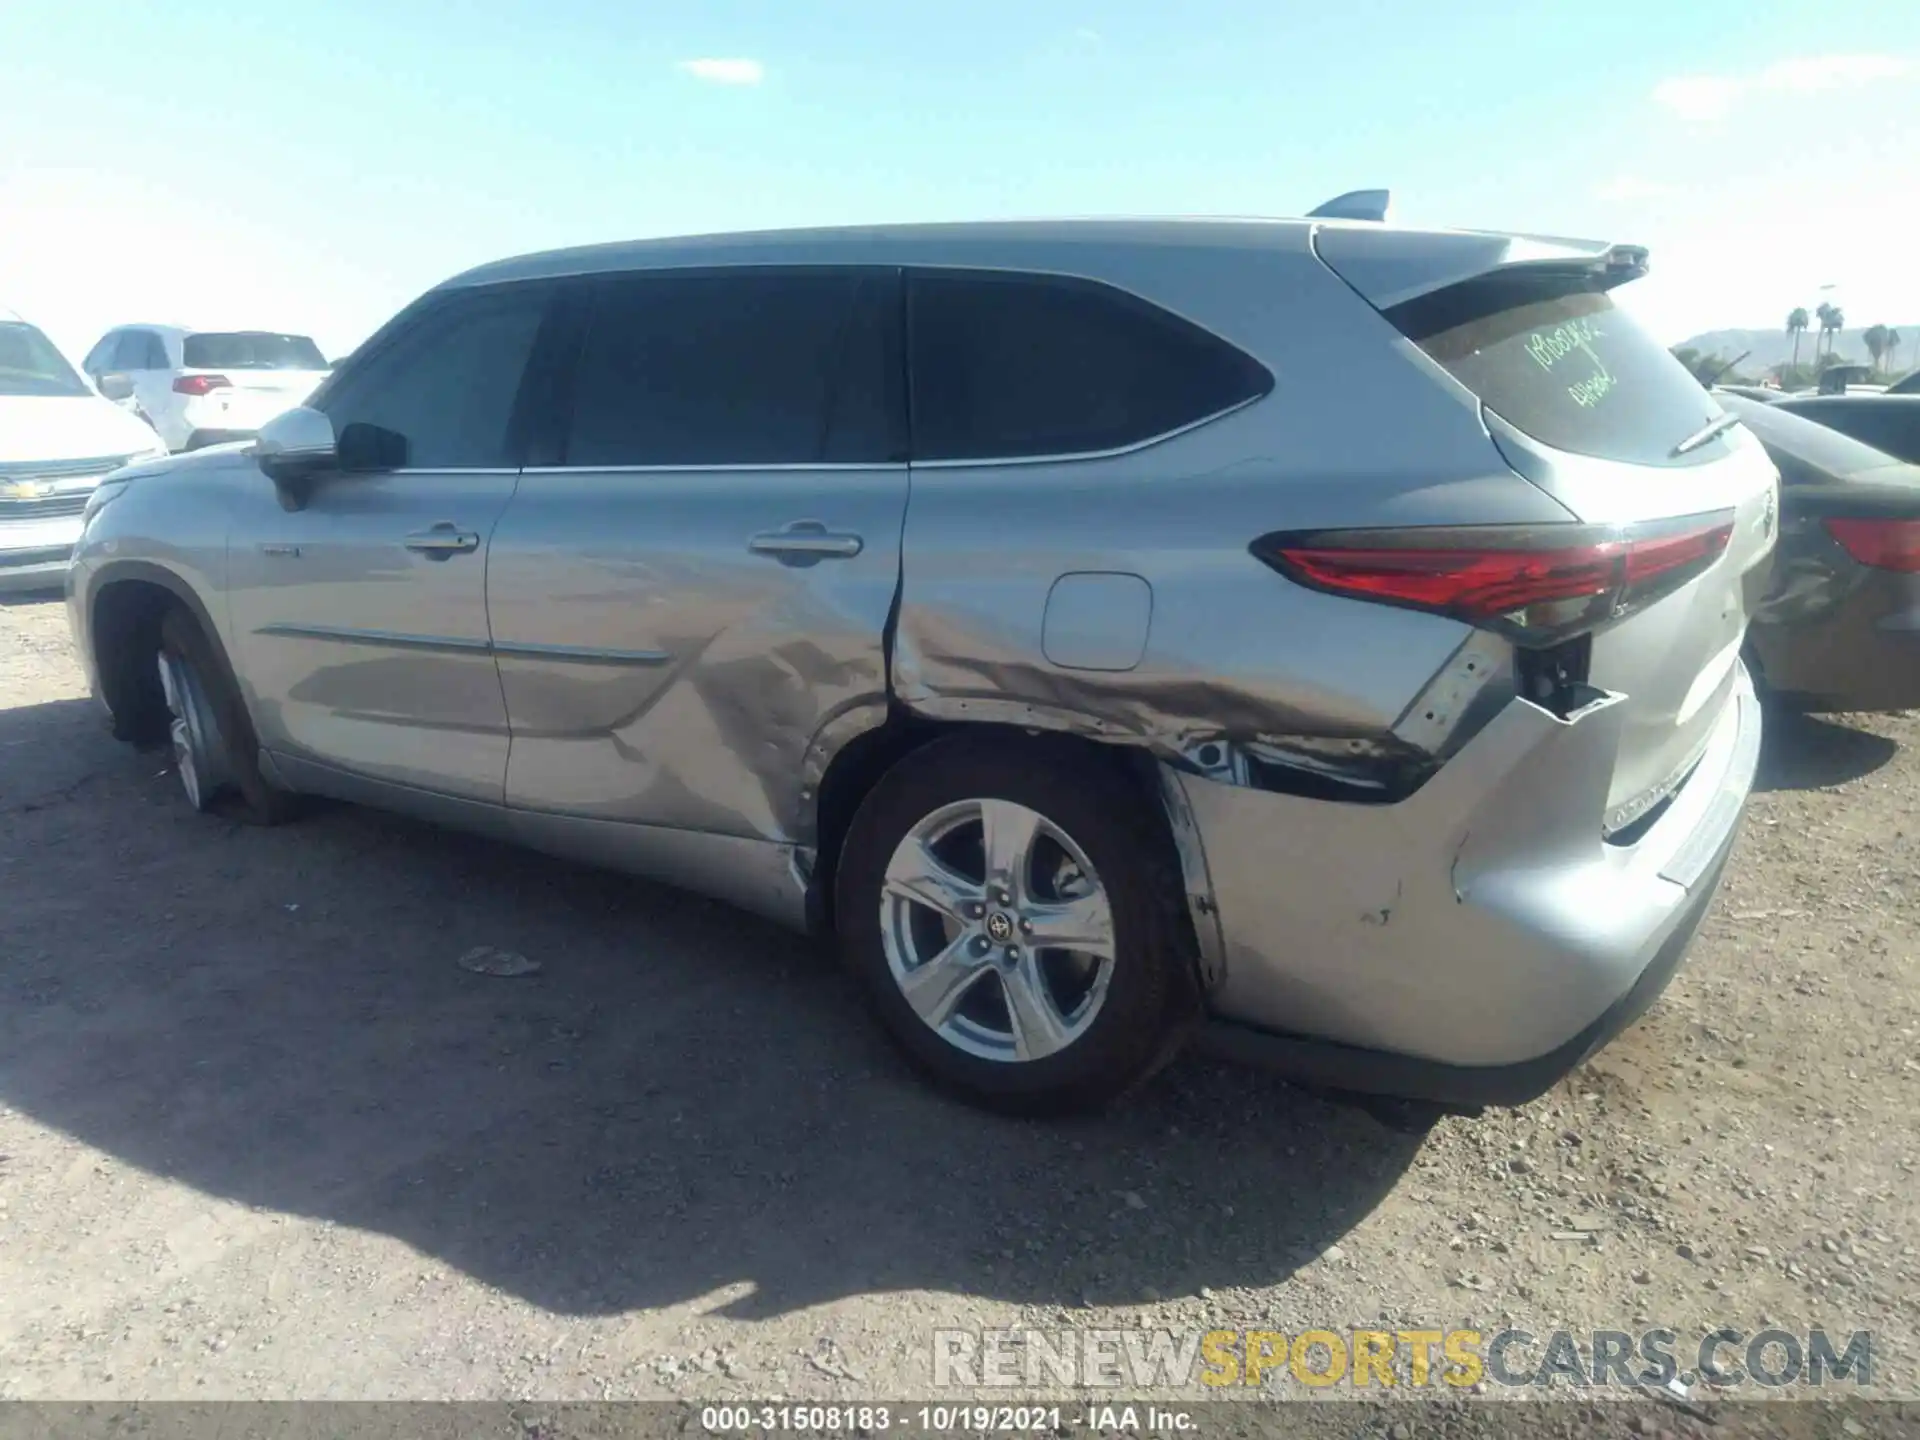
1883 544
1536 584
200 384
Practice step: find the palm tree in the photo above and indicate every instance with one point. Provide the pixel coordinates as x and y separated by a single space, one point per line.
1796 322
1893 348
1831 319
1821 312
1876 338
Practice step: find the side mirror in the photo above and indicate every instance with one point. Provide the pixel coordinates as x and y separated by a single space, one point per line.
116 386
292 448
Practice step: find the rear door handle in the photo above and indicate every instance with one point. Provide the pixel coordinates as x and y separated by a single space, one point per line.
806 542
443 541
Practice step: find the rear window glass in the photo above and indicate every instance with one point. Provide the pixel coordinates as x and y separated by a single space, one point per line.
1564 364
251 350
1012 366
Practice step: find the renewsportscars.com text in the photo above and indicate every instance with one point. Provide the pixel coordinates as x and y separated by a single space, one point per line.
1140 1360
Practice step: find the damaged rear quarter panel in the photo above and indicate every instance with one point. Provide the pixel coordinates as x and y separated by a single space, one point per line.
1234 652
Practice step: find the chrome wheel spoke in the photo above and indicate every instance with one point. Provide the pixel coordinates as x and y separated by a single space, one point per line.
1083 925
1008 833
1039 1030
936 987
918 875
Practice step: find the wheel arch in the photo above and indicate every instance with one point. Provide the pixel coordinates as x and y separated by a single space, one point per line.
860 764
125 602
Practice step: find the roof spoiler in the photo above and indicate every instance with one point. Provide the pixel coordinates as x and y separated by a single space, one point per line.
1354 205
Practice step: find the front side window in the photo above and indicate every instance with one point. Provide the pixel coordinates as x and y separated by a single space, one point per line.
30 365
447 380
1008 365
738 367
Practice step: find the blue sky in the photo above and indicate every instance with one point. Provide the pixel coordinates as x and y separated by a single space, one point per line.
313 166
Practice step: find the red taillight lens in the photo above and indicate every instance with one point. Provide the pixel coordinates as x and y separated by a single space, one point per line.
1883 544
1537 583
199 384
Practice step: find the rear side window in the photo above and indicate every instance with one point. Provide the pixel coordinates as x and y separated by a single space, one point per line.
740 367
1559 361
447 380
251 350
1011 366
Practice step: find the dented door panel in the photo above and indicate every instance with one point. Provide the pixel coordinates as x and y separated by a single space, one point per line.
661 668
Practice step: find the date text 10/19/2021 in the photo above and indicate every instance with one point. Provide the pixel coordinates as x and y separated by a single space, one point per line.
959 1419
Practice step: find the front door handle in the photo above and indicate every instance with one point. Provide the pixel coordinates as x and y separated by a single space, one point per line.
806 542
443 541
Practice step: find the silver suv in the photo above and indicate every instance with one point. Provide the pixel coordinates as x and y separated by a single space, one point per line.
1321 630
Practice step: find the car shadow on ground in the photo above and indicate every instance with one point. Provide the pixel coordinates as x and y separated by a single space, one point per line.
680 1099
1816 752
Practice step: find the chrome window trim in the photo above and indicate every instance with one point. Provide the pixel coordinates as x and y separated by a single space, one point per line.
448 470
731 468
1064 458
1078 456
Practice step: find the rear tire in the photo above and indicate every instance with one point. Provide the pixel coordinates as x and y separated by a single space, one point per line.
966 858
216 754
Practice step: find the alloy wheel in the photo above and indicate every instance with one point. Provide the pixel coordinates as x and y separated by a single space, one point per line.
199 753
997 930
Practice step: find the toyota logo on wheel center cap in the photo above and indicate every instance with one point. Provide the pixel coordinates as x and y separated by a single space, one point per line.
999 927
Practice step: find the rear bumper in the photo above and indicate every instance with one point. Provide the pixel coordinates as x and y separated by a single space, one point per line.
1861 654
34 553
1475 942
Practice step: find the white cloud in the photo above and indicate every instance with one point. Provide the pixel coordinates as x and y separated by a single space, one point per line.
1698 97
724 72
1707 98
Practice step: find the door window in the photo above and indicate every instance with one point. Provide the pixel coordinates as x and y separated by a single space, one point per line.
1010 366
739 367
446 381
129 352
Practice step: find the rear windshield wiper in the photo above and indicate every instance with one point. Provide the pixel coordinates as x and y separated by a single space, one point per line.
1716 426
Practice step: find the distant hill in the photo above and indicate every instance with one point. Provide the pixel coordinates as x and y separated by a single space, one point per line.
1775 347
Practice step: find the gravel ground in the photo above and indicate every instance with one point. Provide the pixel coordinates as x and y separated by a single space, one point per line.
262 1136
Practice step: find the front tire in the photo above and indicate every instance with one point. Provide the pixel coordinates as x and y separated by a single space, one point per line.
1014 911
215 752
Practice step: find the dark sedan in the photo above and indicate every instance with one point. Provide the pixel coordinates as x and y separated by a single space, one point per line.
1886 422
1839 628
